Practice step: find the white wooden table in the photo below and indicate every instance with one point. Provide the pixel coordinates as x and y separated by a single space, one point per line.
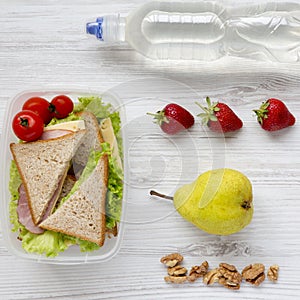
43 45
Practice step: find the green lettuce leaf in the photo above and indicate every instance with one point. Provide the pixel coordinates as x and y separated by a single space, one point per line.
71 117
95 105
14 183
115 190
86 246
49 243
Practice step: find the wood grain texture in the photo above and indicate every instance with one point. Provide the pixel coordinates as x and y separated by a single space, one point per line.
44 45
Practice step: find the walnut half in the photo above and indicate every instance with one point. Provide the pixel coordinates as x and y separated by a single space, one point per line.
273 273
198 271
230 277
254 274
171 260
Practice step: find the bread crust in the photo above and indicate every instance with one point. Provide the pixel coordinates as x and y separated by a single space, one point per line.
86 114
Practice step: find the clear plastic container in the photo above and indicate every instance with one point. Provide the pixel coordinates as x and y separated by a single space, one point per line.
187 30
72 255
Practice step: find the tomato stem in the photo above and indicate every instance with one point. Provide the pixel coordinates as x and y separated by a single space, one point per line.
52 108
24 122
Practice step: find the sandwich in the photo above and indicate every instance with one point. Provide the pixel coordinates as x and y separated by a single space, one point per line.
87 182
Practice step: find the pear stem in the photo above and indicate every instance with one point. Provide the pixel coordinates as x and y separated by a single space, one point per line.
154 193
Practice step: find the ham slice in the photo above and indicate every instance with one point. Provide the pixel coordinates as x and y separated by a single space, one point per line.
24 214
55 133
23 210
53 200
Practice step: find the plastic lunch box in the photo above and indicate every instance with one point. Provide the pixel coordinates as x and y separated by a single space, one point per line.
72 255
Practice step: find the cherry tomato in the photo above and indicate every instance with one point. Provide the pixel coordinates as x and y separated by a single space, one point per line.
62 106
27 125
40 106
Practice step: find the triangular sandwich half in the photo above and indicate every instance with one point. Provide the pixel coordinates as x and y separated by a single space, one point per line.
43 165
82 213
95 136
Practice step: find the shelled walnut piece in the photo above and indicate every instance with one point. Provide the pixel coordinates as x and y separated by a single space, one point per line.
230 277
172 260
273 273
198 271
254 274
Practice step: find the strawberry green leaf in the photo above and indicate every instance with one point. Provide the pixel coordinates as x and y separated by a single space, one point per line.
159 117
209 111
262 112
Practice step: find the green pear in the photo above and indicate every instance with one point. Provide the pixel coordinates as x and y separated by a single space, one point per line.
218 201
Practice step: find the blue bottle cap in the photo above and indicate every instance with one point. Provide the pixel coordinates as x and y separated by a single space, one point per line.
95 28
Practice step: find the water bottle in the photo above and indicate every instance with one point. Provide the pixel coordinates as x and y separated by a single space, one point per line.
179 30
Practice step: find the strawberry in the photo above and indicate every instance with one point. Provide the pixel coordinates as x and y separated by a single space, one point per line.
173 118
219 117
274 115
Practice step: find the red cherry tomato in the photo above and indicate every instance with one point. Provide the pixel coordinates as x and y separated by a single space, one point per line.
62 106
27 125
40 106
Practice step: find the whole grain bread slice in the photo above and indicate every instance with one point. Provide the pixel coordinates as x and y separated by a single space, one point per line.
91 141
42 165
82 215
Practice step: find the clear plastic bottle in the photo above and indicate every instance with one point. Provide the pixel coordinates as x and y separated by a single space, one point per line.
206 30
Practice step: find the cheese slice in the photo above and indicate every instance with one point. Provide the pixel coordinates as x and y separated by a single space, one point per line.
71 125
108 134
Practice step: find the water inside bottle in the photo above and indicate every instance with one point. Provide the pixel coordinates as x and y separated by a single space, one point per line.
177 30
171 27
